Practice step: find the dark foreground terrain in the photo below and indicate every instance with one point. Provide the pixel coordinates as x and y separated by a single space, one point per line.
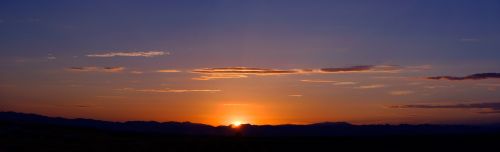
27 132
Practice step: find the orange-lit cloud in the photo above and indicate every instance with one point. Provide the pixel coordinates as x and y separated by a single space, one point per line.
345 83
491 107
220 76
244 72
295 95
372 86
168 71
318 81
175 90
330 81
237 72
130 54
96 69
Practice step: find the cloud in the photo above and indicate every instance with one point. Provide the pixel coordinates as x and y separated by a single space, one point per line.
489 84
51 57
373 86
364 68
220 76
96 69
176 90
349 69
438 86
136 72
318 81
344 83
401 92
168 71
243 70
83 106
237 72
295 95
477 76
130 54
490 107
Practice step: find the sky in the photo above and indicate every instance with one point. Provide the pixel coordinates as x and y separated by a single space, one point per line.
260 62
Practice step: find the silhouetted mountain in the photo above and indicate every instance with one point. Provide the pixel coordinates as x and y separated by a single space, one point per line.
30 132
188 128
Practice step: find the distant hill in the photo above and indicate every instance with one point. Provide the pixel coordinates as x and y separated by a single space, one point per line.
30 132
187 128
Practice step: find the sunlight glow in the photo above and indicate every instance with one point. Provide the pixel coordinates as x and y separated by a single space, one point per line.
236 124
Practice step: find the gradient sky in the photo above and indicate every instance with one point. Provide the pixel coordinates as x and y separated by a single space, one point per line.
259 61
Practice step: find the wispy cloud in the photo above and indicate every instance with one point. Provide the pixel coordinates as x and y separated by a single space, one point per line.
437 86
345 83
168 71
220 76
237 72
51 57
372 86
330 81
401 92
489 84
295 95
243 72
95 69
130 54
83 106
176 90
478 76
318 81
363 68
136 72
490 107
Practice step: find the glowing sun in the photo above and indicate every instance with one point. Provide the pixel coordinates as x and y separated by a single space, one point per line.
236 124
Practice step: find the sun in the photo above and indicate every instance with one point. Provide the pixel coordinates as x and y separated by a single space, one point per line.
236 124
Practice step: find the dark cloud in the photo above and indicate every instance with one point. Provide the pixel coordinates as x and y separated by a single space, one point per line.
130 54
96 69
349 69
82 106
478 76
369 68
490 107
